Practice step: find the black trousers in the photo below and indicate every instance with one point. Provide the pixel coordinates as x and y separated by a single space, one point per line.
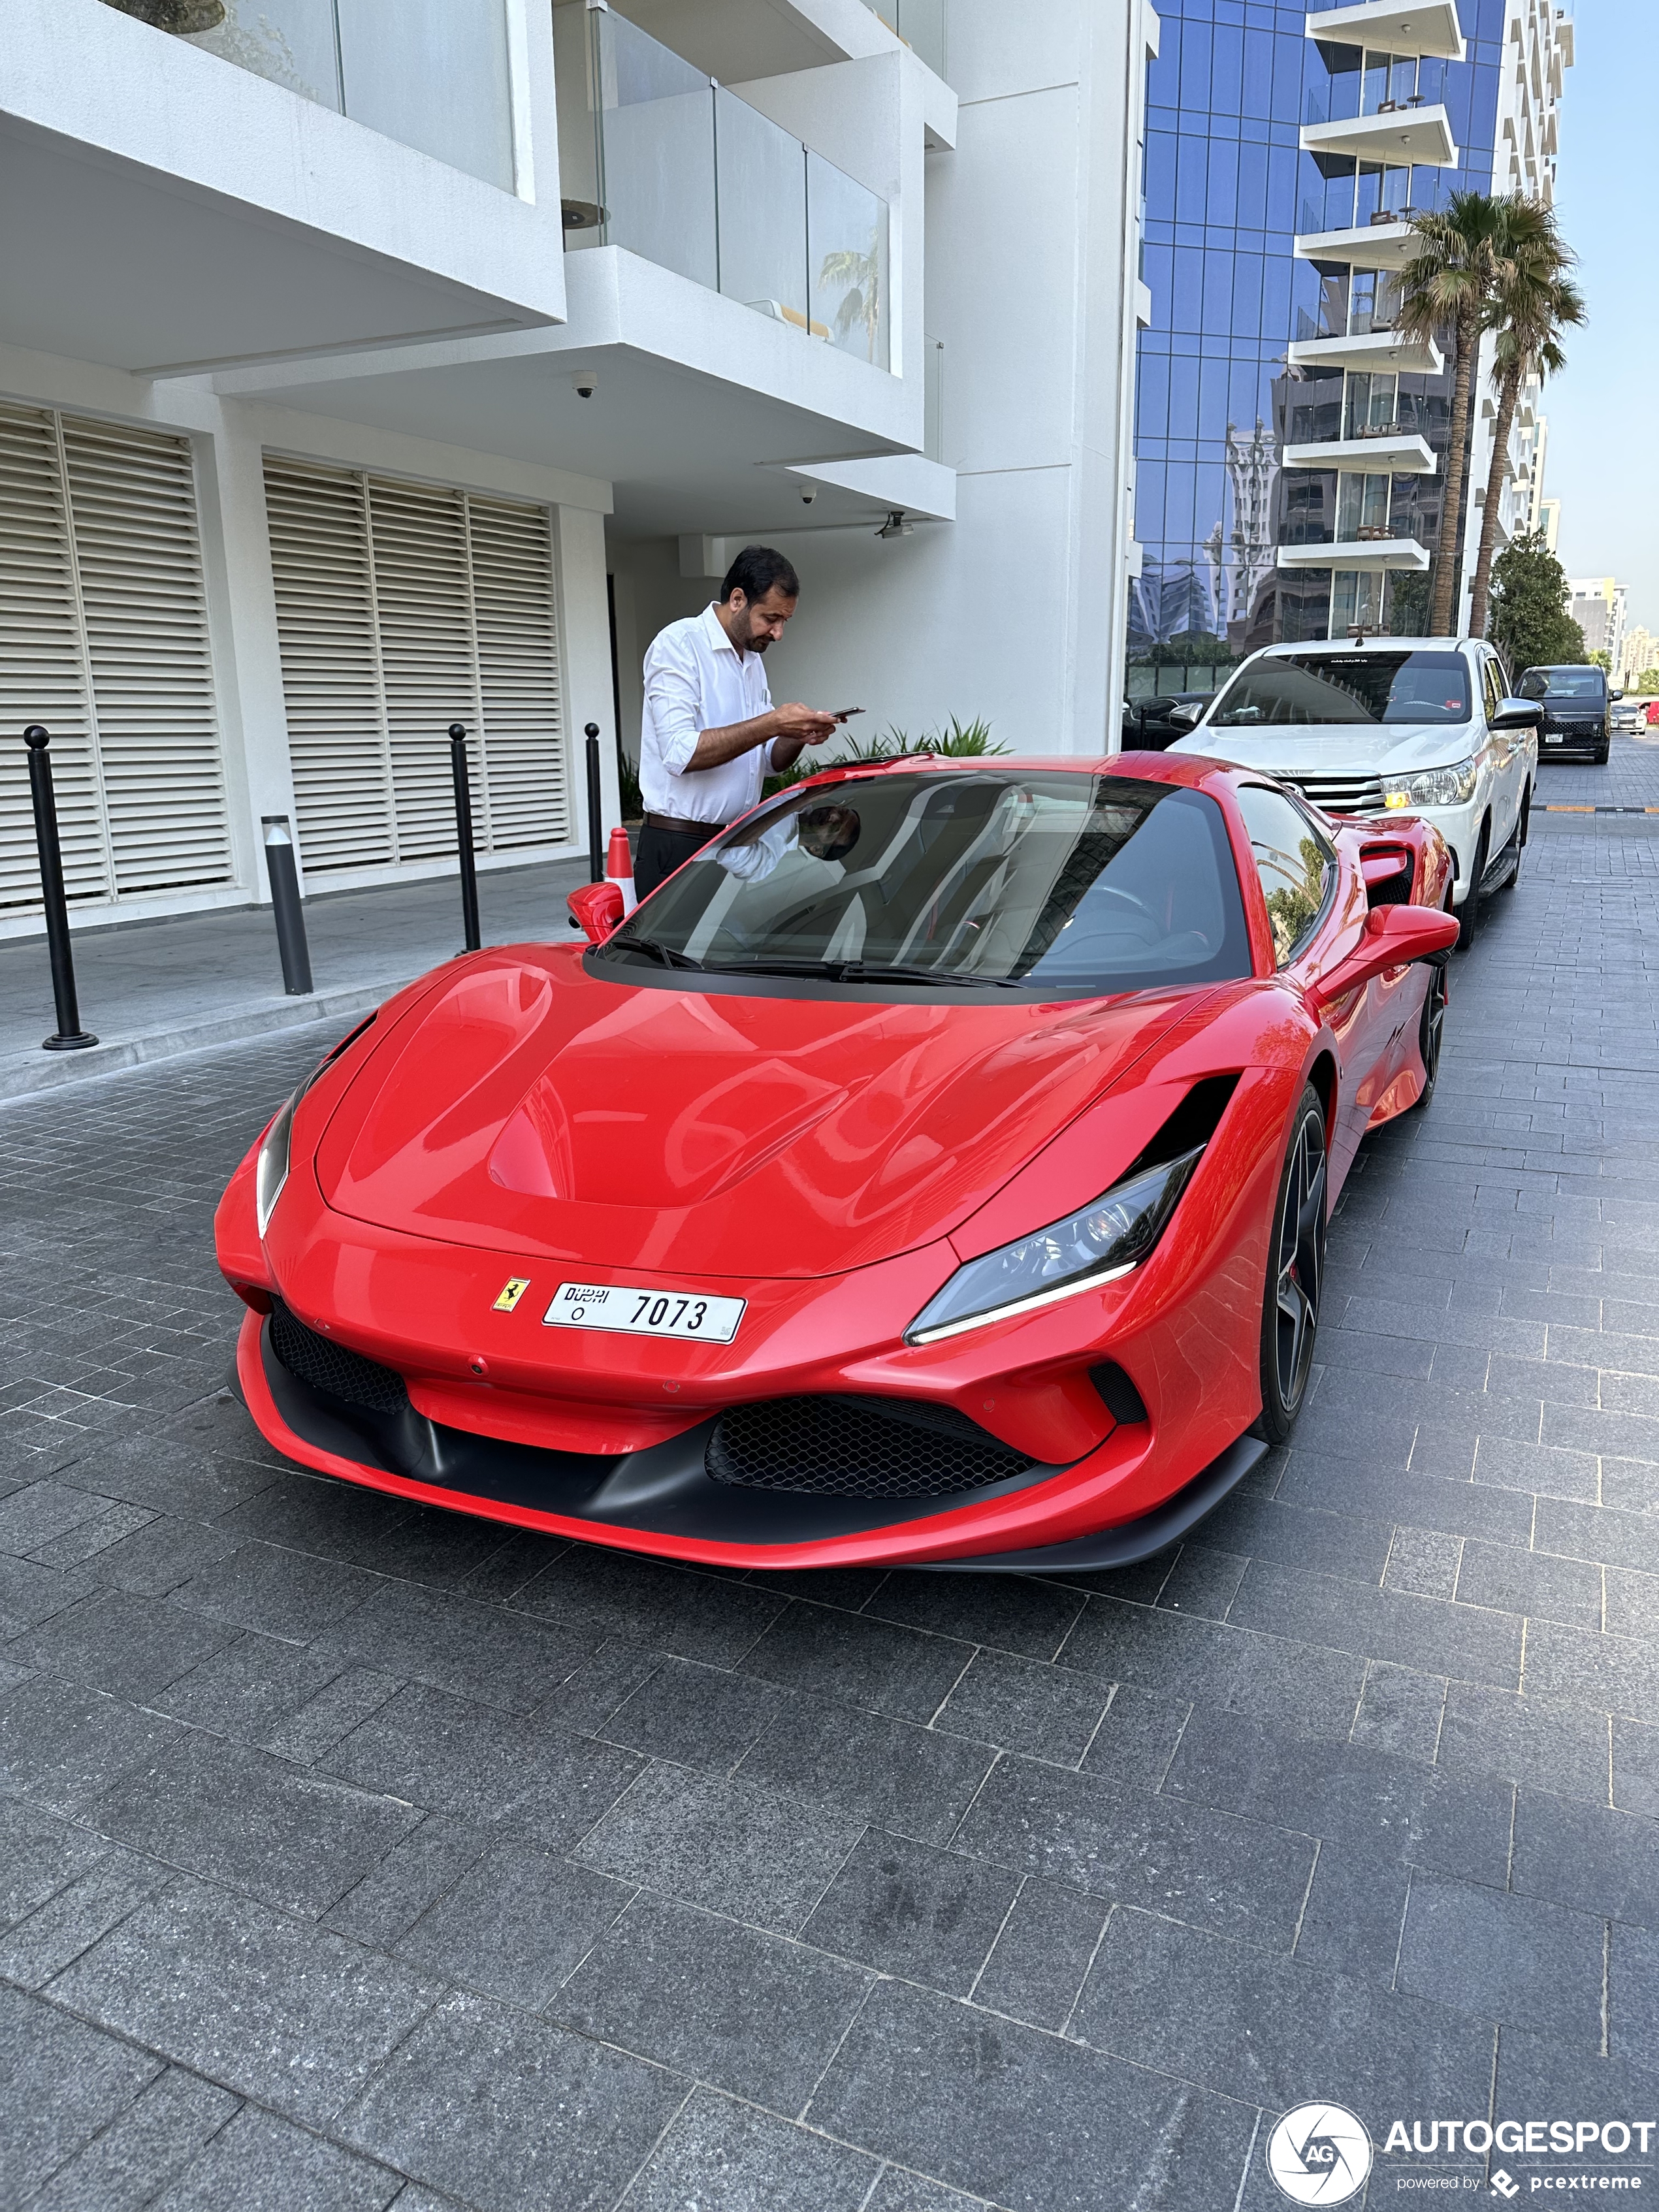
660 852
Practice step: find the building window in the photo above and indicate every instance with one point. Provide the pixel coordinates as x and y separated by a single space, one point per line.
402 608
104 638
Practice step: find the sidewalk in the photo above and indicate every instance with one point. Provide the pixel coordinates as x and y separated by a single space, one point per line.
148 990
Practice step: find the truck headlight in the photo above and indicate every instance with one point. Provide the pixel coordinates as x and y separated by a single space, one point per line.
1093 1246
1434 787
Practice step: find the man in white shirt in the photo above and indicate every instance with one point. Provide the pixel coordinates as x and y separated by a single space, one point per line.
710 731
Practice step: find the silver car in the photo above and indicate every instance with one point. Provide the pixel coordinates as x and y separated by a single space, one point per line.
1422 726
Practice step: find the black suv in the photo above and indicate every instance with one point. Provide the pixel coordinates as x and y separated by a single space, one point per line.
1577 710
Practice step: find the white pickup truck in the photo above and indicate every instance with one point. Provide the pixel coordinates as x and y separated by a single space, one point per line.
1422 726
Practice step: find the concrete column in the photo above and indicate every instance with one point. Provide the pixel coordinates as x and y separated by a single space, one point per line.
585 642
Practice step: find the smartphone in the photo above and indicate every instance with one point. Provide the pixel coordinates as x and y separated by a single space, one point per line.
846 714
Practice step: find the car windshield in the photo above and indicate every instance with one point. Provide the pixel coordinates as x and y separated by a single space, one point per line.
1072 884
1326 687
1563 683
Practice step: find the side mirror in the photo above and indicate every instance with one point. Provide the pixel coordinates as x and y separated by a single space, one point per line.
1394 937
1186 713
1517 715
596 910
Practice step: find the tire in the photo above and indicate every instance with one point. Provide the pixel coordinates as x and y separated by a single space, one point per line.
1430 1034
1601 757
1522 824
1296 1272
1468 922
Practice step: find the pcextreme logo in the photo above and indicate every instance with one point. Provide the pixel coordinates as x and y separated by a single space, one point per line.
1321 2153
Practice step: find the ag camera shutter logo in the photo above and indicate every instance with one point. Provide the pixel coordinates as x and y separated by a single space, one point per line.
1319 2155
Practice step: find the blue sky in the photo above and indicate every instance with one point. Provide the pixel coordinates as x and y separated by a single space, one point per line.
1604 461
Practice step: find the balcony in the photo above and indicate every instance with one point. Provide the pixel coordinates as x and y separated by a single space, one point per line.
665 162
1385 449
1389 244
1400 133
1367 553
1398 26
919 23
272 187
1385 350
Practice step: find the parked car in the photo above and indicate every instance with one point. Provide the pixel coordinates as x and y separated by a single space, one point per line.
936 1169
1577 710
1421 725
1149 726
1628 717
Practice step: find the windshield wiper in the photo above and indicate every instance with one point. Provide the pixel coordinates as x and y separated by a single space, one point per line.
859 971
665 953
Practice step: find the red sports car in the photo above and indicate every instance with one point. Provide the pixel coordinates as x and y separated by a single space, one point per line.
936 1169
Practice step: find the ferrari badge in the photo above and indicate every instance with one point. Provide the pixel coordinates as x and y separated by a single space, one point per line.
512 1291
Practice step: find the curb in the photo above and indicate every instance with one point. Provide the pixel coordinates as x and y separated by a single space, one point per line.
51 1071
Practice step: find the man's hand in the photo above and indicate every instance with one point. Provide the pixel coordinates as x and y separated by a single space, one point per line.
802 726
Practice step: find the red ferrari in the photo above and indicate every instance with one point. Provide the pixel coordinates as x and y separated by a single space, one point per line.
936 1169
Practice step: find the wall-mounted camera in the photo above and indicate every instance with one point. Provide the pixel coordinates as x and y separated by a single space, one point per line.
585 383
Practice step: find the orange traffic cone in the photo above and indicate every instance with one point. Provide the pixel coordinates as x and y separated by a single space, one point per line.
619 868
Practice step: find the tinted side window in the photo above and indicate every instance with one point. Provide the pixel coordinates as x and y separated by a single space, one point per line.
1296 867
1494 693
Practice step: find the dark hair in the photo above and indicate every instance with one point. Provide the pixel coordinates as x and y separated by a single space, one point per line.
754 571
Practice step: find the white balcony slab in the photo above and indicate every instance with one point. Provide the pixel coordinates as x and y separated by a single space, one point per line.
1395 27
1371 245
1411 134
182 212
1399 454
1367 553
1379 352
700 407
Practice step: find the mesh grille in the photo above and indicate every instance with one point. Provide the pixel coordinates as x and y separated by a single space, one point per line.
857 1448
1340 794
314 1361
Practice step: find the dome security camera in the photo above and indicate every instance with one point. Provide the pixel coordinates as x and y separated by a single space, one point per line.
585 383
808 494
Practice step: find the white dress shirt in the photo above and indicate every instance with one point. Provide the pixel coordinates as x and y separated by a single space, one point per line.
696 680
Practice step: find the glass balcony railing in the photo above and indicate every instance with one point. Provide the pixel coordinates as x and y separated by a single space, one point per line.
657 157
919 23
432 74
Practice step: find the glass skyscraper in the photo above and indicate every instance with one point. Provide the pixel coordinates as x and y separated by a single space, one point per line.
1289 445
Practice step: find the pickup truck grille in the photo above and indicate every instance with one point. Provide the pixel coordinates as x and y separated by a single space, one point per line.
1341 795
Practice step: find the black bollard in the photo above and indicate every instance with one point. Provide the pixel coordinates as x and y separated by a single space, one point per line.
70 1036
286 907
464 836
595 840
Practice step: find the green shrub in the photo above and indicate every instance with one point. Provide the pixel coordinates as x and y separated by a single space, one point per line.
961 741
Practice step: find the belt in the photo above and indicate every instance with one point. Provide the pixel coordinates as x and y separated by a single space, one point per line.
681 827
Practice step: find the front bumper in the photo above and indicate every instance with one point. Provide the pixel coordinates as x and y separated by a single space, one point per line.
661 1498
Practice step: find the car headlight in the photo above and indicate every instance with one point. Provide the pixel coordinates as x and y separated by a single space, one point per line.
271 1168
1095 1245
1435 787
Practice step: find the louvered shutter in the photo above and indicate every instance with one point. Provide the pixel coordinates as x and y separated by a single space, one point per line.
104 638
402 608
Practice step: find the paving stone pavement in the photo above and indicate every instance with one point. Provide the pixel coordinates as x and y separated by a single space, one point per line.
355 1854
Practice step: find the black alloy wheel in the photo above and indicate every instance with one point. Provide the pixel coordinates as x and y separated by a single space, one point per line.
1468 922
1296 1274
1432 1033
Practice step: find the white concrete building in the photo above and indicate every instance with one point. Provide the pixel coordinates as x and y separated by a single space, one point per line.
365 368
1600 606
1537 50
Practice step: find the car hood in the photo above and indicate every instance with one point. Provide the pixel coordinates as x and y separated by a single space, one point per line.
528 1106
1339 749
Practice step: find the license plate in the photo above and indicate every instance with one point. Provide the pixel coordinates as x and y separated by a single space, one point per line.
644 1313
1555 741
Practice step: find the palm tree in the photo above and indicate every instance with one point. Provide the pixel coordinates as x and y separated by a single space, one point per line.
1450 282
1534 301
